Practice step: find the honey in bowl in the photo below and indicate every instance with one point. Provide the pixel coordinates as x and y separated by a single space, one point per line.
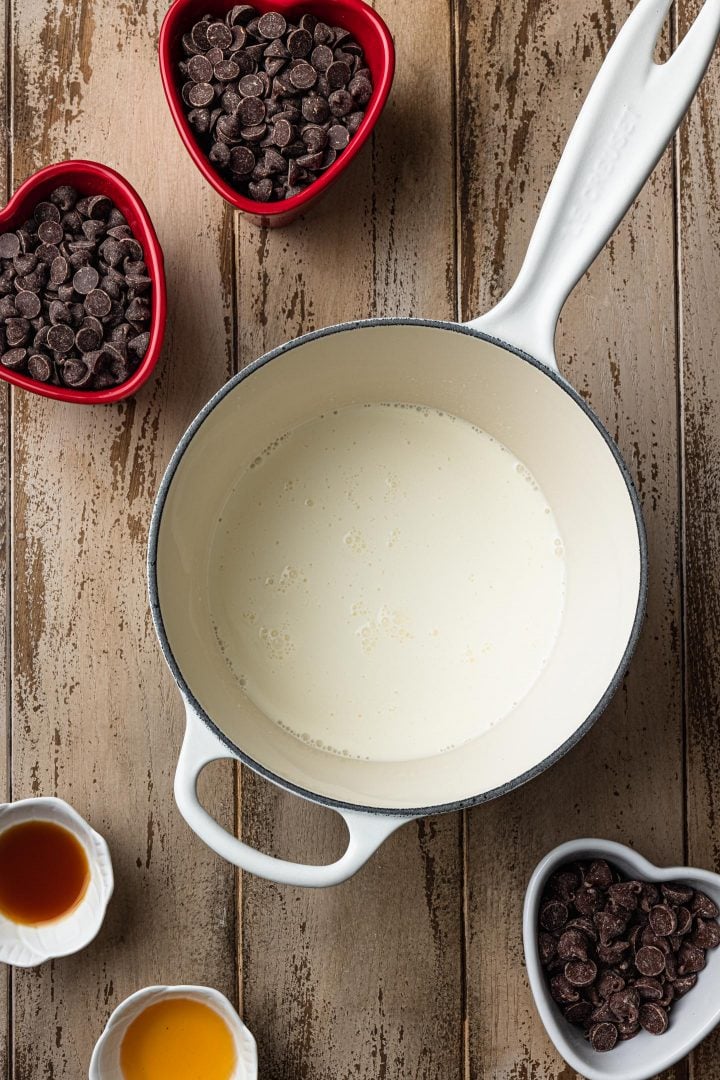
178 1039
44 872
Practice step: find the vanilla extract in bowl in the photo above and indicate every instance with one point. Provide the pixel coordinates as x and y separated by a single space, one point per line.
44 872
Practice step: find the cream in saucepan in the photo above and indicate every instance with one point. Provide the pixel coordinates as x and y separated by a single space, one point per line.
386 581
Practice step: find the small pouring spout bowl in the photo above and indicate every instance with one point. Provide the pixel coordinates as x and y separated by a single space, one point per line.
92 178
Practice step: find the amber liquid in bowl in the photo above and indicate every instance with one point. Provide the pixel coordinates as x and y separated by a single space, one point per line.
178 1039
44 872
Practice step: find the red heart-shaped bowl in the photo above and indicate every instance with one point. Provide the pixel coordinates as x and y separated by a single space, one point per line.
364 24
91 178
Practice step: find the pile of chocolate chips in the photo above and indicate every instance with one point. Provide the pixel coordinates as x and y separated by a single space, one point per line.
74 294
273 102
618 953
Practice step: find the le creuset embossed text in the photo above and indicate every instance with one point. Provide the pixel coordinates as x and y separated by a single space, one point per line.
496 376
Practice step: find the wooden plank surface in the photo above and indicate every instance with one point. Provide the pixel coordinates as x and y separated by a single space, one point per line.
5 622
413 970
699 277
96 718
363 980
524 70
5 790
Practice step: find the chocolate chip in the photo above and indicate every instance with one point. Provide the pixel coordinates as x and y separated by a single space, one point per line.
250 86
40 367
573 945
138 310
242 161
219 35
60 338
282 133
14 359
85 280
653 1018
139 344
321 58
299 43
702 905
97 303
51 232
28 304
609 925
663 920
251 111
691 959
676 894
338 136
9 246
603 1037
625 1005
240 13
624 895
272 25
684 985
341 103
77 373
579 1013
562 990
338 75
649 989
201 94
46 211
649 960
323 35
609 983
581 972
706 934
17 332
64 197
262 190
303 76
361 89
200 69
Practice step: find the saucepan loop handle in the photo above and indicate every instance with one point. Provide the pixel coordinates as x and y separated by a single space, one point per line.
630 114
200 747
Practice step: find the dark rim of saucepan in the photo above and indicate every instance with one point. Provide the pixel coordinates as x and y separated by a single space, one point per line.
325 800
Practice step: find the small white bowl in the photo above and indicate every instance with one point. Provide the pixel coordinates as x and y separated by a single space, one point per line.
105 1061
28 946
692 1018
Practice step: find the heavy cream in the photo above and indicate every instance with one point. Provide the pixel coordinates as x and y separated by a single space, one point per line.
386 581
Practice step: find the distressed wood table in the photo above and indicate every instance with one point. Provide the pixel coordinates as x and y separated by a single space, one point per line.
414 969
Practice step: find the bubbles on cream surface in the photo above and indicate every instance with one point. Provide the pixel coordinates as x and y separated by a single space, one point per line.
386 582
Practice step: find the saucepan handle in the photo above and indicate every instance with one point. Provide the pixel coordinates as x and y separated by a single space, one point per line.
628 118
200 747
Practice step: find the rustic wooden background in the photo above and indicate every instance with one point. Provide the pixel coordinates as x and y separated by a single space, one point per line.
414 969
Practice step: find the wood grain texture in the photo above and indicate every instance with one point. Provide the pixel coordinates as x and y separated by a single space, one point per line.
699 276
96 718
524 68
414 970
5 529
361 981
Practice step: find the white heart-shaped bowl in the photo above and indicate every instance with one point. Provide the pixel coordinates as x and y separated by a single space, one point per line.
27 946
105 1061
691 1018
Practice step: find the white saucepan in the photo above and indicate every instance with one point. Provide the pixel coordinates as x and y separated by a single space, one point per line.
499 373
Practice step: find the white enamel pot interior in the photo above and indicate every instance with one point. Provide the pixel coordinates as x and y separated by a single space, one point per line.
500 374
